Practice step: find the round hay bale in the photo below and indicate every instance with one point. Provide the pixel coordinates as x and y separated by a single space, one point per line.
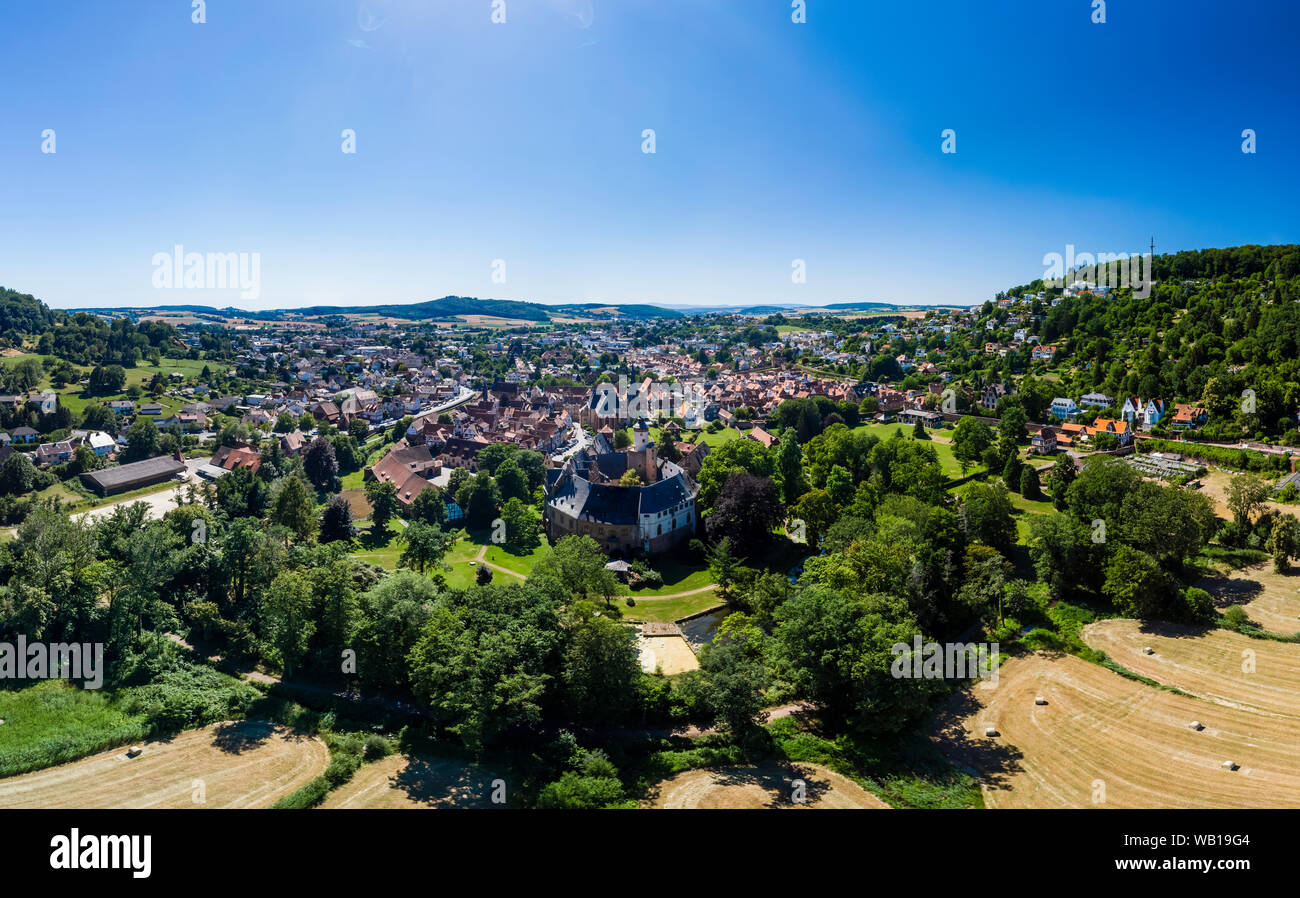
1197 725
991 732
1039 700
134 751
1229 765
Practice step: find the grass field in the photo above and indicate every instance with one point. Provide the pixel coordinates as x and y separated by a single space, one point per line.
520 564
53 722
1104 740
666 610
75 399
678 577
230 765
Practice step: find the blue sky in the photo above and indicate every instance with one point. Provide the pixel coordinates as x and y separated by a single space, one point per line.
522 142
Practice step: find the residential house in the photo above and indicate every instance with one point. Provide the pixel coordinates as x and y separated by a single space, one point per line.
54 453
1188 416
1063 408
1043 442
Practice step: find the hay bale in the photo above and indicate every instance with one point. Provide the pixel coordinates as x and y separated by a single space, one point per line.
1229 765
134 751
1039 700
991 732
1148 651
1197 725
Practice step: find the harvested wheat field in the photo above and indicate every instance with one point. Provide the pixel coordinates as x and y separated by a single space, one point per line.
1270 599
767 786
402 782
1206 663
1103 740
241 765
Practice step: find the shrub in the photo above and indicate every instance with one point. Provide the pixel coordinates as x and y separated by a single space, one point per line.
1235 618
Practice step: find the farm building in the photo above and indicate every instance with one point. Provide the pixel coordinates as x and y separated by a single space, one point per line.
134 475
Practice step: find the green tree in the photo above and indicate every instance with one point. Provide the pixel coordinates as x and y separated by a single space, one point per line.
1138 587
382 496
429 506
575 569
286 611
1030 487
789 467
969 440
294 507
1246 494
986 516
425 546
1059 480
839 654
511 481
601 673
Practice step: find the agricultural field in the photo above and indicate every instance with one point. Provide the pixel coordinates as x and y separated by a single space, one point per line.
761 786
1213 665
412 782
1104 740
241 765
1270 599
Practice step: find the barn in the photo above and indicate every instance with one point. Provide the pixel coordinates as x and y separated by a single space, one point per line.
133 476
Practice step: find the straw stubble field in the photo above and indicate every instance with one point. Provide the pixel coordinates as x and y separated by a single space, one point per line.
231 765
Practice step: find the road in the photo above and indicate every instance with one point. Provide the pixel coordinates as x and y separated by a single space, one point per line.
584 440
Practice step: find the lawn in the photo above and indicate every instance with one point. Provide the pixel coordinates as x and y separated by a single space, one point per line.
520 564
665 610
386 553
678 577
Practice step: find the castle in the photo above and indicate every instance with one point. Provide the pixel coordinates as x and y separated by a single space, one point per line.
585 497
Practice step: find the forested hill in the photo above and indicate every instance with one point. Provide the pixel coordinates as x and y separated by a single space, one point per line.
78 337
1218 322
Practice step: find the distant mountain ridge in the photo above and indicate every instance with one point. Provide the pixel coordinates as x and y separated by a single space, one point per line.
452 306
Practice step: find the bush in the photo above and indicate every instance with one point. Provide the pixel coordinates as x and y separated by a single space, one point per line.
574 791
1200 604
1235 618
306 796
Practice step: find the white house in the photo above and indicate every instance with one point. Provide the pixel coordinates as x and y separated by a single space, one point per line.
1098 400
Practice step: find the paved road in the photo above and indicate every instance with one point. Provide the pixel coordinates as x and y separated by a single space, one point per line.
584 440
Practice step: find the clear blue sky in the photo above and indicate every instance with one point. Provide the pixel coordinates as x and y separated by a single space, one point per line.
522 142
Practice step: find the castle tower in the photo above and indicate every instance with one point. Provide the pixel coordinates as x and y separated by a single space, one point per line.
640 435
